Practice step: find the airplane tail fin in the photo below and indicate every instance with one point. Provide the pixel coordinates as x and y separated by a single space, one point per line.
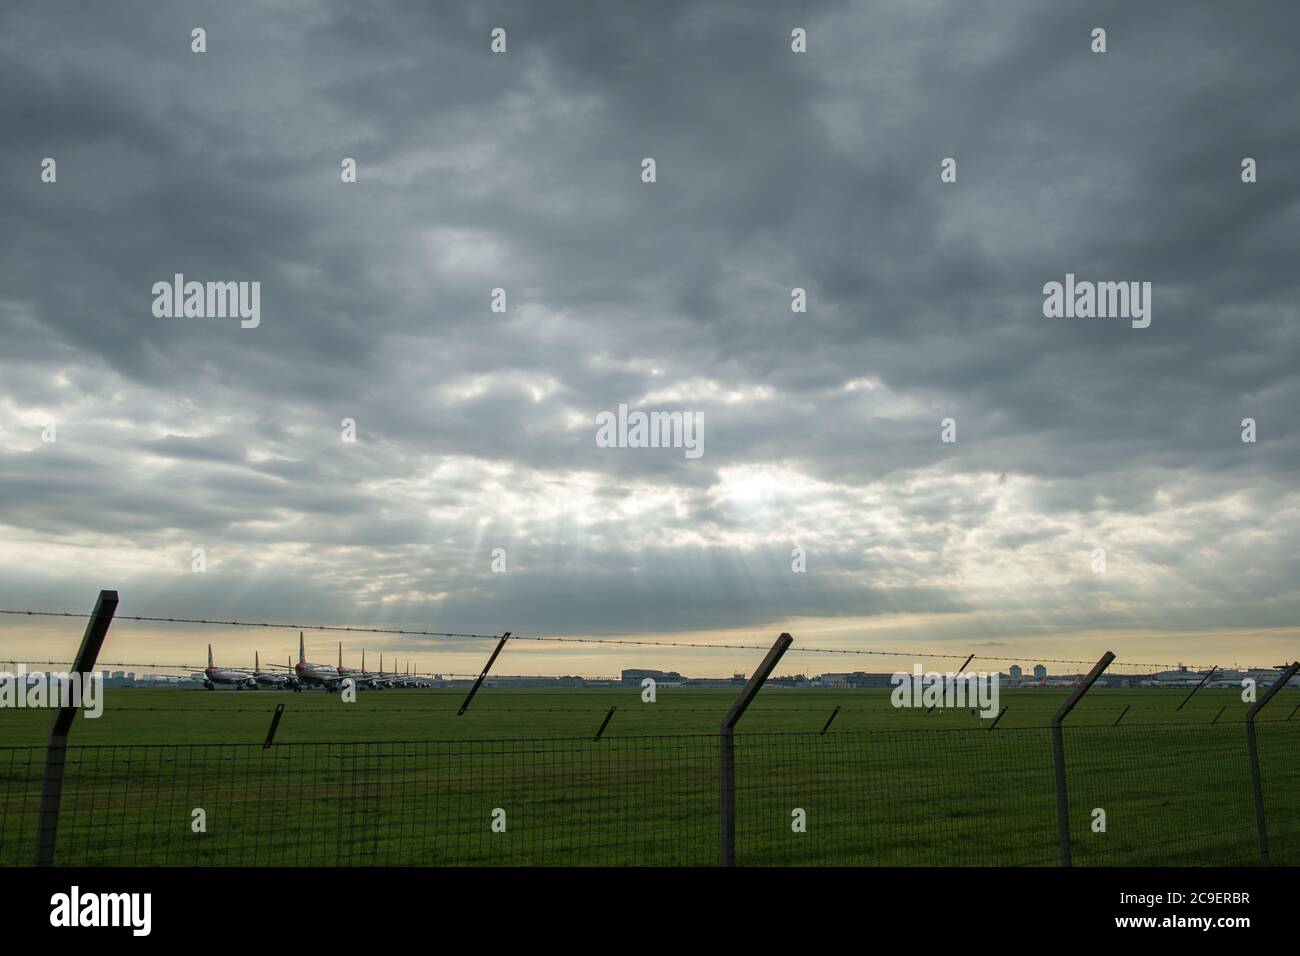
363 659
340 655
257 664
302 653
209 655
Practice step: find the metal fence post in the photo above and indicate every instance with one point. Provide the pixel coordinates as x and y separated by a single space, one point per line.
727 750
56 751
486 667
1253 749
955 673
605 723
275 723
1058 754
1204 681
828 721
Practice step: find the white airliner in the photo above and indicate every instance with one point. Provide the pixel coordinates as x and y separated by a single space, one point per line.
414 680
396 678
212 676
360 678
268 678
384 679
315 675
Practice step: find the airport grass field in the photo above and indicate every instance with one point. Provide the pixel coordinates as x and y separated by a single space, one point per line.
138 715
398 778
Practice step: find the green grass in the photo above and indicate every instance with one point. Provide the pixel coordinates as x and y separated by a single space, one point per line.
884 786
226 716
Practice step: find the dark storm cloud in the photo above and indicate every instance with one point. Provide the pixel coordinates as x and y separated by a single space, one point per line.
775 170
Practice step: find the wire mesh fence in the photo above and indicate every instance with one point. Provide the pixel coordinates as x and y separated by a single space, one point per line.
498 802
1162 795
20 791
907 798
1279 761
1171 795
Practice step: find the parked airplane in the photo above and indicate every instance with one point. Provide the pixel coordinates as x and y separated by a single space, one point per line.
362 677
315 675
409 679
212 676
268 678
384 679
415 680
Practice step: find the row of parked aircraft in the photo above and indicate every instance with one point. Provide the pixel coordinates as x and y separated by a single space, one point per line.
305 674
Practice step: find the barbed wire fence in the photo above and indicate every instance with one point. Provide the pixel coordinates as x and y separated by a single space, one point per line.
1131 793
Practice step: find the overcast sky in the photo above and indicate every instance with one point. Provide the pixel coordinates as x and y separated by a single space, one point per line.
775 170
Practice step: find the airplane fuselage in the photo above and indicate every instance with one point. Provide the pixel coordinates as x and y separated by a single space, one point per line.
317 675
215 675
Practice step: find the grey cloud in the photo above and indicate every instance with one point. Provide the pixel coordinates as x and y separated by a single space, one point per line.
775 170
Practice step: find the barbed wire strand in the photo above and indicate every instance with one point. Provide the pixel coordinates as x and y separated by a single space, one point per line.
596 640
